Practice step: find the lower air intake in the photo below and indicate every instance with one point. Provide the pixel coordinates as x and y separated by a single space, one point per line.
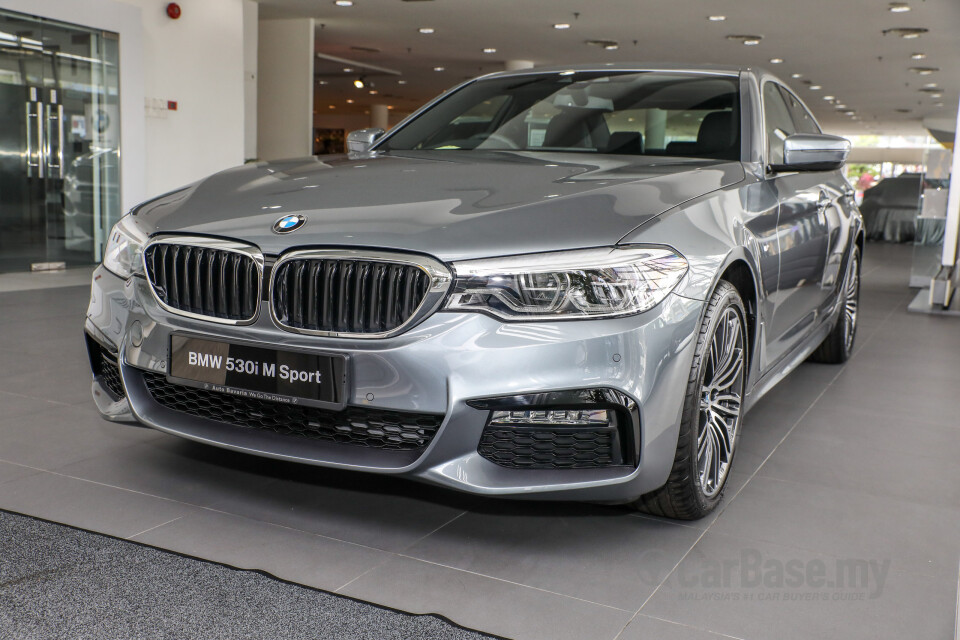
360 426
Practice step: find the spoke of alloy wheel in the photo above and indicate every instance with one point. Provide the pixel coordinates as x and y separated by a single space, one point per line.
723 436
725 379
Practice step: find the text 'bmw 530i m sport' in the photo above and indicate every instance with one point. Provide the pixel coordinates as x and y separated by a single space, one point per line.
564 283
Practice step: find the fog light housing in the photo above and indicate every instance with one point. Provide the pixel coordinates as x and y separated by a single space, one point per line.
575 429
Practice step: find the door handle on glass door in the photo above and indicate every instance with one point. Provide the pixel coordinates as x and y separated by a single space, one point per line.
55 117
33 157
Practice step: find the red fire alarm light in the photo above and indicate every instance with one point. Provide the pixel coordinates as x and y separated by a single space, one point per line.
173 10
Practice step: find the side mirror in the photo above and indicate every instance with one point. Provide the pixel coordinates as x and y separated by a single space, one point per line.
360 141
813 152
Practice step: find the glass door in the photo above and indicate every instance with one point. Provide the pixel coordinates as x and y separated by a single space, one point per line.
59 142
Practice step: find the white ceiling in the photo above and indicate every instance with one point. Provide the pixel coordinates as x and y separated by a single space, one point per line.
837 44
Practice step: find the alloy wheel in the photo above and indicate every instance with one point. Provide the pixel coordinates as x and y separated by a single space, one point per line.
721 401
851 301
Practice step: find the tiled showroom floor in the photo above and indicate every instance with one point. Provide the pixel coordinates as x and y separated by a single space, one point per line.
854 464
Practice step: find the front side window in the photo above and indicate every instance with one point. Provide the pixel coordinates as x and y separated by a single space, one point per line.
777 121
630 113
801 117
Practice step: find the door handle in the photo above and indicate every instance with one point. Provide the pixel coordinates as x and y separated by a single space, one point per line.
55 119
34 127
822 203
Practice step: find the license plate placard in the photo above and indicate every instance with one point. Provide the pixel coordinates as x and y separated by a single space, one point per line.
248 371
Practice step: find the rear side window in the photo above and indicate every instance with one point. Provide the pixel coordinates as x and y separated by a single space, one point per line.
801 117
777 121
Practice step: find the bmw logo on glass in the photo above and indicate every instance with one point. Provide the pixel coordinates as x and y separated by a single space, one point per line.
286 224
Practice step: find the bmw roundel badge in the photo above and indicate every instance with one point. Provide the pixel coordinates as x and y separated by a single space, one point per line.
286 224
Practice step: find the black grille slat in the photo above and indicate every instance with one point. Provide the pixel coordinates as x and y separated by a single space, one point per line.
109 373
347 295
204 281
359 426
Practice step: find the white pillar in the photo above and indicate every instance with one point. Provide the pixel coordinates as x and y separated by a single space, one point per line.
952 231
251 14
655 129
379 116
285 88
515 65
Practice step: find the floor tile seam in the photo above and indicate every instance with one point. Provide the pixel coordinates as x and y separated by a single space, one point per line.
306 532
427 535
54 404
662 582
512 582
820 552
153 528
719 634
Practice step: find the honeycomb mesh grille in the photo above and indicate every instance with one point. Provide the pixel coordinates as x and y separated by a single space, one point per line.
546 448
373 428
110 375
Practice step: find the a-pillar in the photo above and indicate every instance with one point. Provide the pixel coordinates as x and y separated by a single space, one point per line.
379 116
285 88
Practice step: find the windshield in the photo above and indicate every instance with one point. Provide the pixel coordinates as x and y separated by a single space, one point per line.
647 113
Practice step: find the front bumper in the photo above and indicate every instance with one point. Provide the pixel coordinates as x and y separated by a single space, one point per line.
438 367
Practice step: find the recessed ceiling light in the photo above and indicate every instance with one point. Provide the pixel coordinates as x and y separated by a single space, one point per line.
716 18
373 92
323 82
829 97
390 106
899 7
918 56
841 106
936 95
931 85
815 87
331 106
561 25
907 32
776 60
348 70
796 75
439 68
401 82
490 50
425 29
358 83
611 47
349 100
938 104
924 71
344 3
748 40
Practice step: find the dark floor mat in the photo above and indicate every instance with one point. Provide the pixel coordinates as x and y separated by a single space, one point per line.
62 583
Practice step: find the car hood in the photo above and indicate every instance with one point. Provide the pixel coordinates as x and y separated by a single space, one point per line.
449 204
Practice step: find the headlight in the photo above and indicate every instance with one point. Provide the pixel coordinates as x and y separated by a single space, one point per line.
124 248
589 283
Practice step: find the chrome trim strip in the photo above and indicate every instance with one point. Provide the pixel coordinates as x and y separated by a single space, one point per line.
440 280
208 243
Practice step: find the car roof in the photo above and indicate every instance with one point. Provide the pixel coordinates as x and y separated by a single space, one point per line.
709 69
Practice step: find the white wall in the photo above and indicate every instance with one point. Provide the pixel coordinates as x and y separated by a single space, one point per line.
196 60
285 88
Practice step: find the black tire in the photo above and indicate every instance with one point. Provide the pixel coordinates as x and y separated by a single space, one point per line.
684 496
838 346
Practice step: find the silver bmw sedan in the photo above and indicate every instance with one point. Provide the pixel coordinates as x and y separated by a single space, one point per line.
565 283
